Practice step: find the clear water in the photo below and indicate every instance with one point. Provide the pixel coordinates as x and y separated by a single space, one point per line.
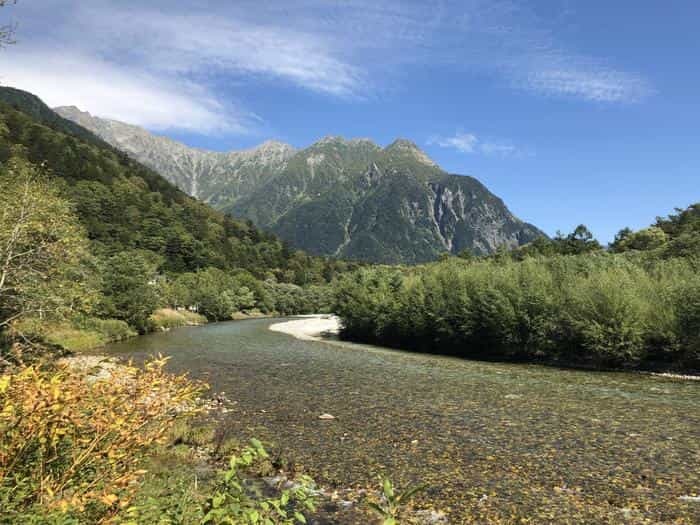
495 442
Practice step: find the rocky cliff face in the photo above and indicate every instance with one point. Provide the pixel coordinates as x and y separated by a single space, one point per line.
346 198
214 177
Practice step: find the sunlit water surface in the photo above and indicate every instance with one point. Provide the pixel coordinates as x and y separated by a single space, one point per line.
495 442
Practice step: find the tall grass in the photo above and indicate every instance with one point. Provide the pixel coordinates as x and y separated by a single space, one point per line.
78 334
166 318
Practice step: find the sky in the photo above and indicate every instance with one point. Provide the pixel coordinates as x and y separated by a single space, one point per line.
570 111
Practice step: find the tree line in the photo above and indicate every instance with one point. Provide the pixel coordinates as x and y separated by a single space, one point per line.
89 235
563 300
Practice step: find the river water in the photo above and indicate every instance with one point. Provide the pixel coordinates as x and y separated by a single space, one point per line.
494 442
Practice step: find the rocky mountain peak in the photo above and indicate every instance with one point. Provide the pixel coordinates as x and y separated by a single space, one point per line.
338 140
343 197
70 110
407 147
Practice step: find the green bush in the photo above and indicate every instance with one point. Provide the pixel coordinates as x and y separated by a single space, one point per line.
593 308
688 307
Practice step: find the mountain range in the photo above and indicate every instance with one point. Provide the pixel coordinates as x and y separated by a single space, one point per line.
345 198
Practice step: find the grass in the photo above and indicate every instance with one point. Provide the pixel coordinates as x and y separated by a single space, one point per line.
78 335
167 318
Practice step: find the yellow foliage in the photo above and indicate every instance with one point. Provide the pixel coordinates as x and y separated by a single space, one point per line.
72 440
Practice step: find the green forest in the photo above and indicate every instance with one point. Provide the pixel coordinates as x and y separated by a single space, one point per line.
115 243
564 300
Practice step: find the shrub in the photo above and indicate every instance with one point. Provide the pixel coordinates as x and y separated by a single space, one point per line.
166 318
79 334
612 310
71 444
606 315
236 500
688 305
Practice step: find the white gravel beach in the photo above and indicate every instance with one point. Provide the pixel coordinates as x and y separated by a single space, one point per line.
310 328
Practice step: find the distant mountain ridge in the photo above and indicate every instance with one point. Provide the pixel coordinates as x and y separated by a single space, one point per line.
343 197
124 205
211 176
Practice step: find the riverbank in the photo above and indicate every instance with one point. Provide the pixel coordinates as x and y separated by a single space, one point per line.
324 327
310 327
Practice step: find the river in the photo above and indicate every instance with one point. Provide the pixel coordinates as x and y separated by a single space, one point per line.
494 442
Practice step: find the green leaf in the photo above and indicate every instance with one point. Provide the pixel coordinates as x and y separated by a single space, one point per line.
388 489
376 508
410 492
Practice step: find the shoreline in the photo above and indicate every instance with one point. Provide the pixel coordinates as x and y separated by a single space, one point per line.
325 327
315 327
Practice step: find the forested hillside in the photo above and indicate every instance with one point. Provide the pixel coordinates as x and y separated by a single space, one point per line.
124 205
149 245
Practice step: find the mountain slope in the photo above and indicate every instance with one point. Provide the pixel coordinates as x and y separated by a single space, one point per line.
345 198
126 206
353 199
216 178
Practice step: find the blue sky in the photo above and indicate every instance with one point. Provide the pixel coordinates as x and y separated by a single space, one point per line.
571 111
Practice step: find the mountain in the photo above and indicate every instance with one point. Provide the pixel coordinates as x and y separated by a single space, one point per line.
339 197
124 205
216 178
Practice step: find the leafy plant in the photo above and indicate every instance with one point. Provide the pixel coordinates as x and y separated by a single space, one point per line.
239 501
72 443
392 505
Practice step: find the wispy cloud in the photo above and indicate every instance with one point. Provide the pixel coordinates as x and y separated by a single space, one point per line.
462 142
197 44
471 143
121 93
182 53
599 85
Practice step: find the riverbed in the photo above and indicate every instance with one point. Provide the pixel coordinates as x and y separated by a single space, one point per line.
494 442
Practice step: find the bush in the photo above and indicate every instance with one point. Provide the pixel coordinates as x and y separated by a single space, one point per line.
71 444
594 308
167 318
688 306
236 500
606 313
80 334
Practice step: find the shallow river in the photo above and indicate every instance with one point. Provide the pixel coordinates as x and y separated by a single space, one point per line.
494 442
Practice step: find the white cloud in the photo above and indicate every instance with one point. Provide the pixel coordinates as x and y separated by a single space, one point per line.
118 92
599 85
462 142
501 150
162 64
470 143
206 44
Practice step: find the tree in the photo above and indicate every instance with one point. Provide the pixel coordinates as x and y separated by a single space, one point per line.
129 288
579 241
644 239
44 257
